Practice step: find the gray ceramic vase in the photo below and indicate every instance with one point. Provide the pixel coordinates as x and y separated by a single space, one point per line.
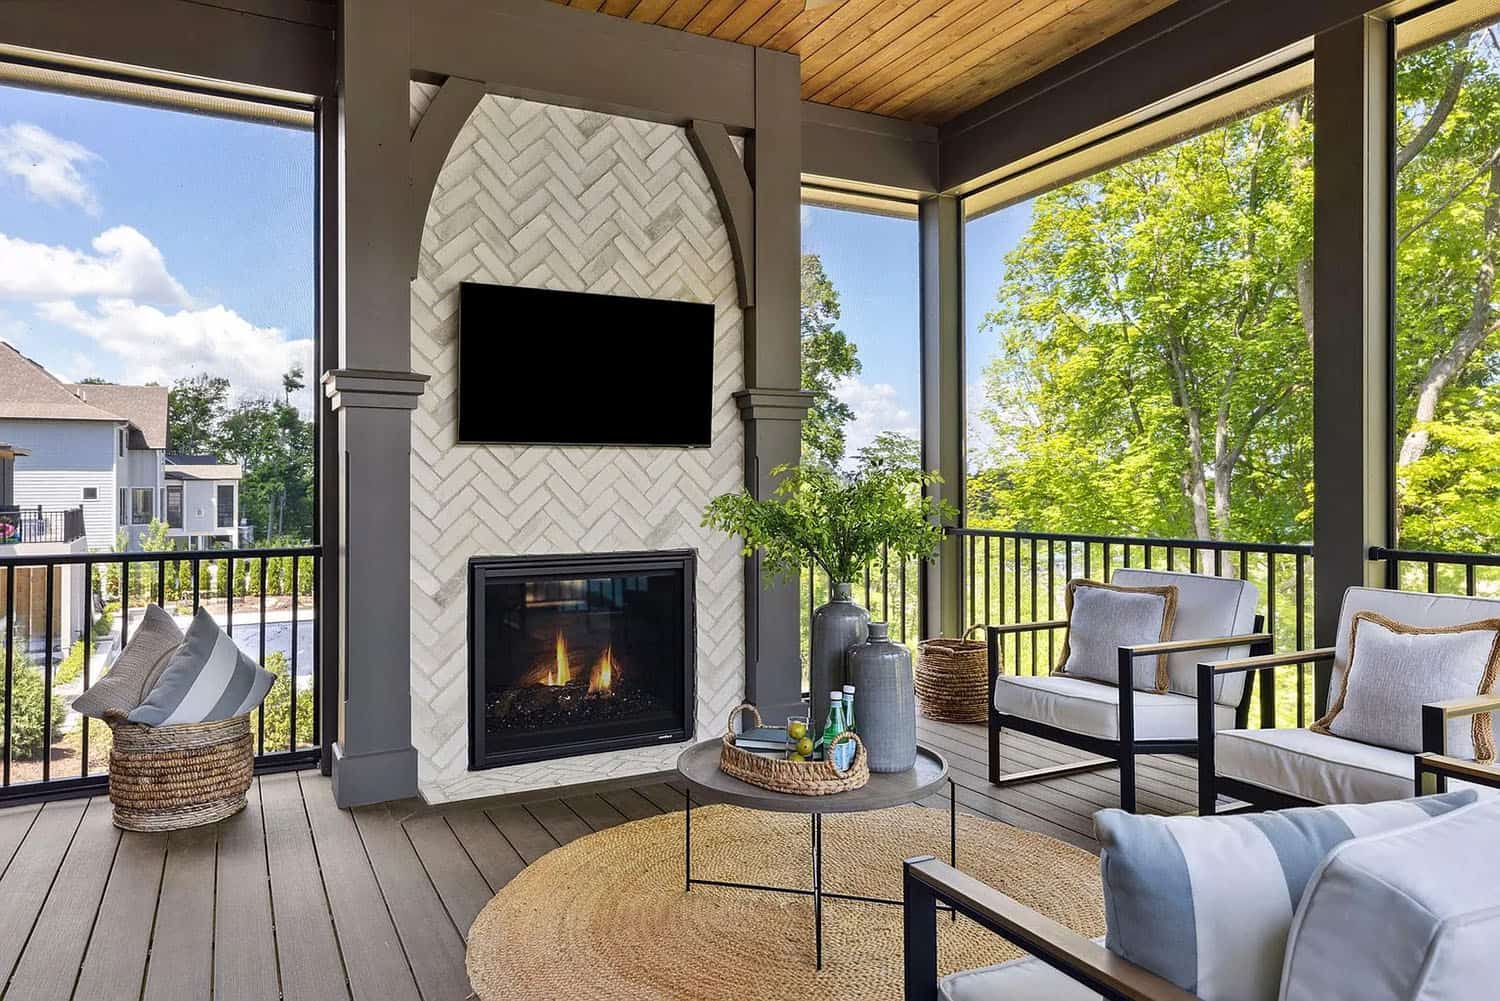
885 703
836 627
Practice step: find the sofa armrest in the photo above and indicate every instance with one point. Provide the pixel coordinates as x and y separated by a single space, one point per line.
1437 715
1442 768
927 881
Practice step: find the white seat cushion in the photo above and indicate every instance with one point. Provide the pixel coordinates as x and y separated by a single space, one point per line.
1316 767
1408 915
1207 606
1019 980
1092 708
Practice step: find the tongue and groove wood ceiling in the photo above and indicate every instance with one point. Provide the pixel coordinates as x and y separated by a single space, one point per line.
922 60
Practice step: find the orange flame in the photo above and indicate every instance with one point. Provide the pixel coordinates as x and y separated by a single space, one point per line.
559 675
602 678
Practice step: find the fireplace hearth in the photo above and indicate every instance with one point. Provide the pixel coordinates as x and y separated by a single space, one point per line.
579 654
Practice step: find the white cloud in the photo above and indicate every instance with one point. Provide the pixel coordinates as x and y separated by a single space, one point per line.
47 165
161 347
125 264
877 407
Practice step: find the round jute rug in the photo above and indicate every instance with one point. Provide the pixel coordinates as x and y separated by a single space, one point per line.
606 917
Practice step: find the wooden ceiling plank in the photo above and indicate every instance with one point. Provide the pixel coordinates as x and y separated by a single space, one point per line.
980 26
1032 55
711 16
585 4
649 10
1041 36
619 8
681 13
836 67
771 22
853 24
790 38
741 18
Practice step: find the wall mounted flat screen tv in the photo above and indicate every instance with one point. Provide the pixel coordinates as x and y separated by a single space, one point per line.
539 367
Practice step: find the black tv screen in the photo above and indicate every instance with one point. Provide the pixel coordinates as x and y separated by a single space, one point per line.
538 367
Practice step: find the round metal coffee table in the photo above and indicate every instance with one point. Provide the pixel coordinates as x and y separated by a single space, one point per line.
699 768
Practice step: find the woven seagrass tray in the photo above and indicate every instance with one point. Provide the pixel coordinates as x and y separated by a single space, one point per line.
799 778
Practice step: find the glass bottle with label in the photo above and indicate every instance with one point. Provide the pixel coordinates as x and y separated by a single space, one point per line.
835 723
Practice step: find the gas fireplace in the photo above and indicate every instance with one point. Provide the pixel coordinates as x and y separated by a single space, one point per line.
579 654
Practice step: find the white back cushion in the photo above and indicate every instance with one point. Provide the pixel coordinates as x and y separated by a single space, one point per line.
1409 915
1207 606
1410 607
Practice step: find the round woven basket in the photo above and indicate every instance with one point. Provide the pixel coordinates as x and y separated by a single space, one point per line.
953 682
166 778
800 778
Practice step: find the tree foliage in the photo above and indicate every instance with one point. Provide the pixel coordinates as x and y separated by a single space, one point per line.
827 356
1154 330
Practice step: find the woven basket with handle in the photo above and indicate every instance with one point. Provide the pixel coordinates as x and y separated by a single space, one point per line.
166 778
953 682
800 778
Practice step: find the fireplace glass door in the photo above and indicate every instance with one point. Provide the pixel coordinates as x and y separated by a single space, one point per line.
579 655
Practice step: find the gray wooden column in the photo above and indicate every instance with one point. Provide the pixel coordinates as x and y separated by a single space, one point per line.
773 404
1351 314
940 232
372 395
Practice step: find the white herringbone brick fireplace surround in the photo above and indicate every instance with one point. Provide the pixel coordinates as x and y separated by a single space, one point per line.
550 197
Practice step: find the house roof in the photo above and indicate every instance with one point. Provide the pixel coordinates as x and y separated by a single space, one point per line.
200 467
30 392
143 406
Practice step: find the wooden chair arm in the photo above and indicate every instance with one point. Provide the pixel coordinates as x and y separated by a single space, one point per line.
1267 661
1437 715
1442 767
1186 646
927 881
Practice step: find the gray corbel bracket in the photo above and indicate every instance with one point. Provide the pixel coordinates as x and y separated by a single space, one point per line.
439 126
373 389
773 404
731 185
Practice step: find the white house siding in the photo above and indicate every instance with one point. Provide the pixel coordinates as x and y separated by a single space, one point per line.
66 457
200 500
146 468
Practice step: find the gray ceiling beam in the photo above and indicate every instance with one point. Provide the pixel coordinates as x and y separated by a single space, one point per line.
1180 47
869 150
546 52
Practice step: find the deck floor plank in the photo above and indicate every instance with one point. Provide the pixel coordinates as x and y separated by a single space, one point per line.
115 964
373 954
463 890
182 960
562 823
529 838
244 946
631 804
595 812
434 944
28 879
492 855
311 964
48 968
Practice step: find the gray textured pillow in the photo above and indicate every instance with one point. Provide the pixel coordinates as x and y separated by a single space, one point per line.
135 669
207 679
1208 902
1395 669
1104 617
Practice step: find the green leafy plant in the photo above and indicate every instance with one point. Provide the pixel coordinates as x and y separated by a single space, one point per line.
28 699
836 521
277 707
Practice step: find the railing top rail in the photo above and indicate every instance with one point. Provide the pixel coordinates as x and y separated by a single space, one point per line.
1431 556
159 556
1284 548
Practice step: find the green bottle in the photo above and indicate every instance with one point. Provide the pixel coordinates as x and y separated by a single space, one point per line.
835 724
849 709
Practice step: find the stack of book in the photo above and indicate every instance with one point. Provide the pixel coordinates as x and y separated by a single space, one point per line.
766 741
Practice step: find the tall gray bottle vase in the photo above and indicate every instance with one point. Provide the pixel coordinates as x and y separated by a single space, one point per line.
885 703
836 627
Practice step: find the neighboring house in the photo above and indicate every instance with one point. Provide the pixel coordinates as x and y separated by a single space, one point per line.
103 449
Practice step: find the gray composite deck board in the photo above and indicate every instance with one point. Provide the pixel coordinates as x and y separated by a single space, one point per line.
298 897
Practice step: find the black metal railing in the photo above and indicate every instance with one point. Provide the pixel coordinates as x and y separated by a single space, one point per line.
61 613
37 524
1018 577
888 587
1472 574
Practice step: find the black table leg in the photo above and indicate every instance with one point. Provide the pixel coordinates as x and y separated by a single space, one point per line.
952 835
687 849
817 837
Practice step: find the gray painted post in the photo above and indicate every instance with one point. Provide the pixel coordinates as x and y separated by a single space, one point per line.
940 230
372 396
1351 316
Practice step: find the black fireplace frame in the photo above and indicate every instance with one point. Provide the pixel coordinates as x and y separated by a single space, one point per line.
483 568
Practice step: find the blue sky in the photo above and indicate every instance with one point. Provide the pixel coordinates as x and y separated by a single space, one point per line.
872 261
139 244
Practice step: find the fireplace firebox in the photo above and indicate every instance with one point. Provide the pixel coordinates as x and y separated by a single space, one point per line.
579 654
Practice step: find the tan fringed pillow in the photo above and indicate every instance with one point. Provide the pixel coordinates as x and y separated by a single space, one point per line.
1395 669
1104 617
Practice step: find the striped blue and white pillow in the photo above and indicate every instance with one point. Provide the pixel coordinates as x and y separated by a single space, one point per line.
1207 902
207 679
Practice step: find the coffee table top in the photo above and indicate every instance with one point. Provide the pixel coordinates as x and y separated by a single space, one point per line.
699 767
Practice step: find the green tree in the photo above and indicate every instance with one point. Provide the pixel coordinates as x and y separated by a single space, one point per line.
827 356
195 408
28 699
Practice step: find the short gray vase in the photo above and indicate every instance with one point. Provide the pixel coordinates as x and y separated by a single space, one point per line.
885 702
836 627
